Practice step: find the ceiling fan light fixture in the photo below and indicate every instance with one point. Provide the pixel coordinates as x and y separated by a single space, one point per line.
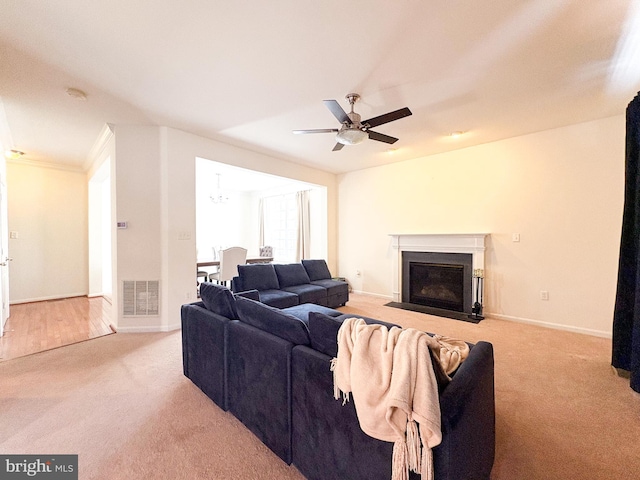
352 129
351 136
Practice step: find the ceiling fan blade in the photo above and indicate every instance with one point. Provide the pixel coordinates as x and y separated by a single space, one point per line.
387 117
381 137
317 130
337 147
337 111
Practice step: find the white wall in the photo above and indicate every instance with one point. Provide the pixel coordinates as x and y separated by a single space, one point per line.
154 178
139 176
47 207
561 190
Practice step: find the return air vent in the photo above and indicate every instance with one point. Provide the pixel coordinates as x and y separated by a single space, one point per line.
140 298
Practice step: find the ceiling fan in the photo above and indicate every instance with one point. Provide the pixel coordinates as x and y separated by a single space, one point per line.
353 130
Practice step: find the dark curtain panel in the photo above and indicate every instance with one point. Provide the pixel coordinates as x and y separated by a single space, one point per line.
626 318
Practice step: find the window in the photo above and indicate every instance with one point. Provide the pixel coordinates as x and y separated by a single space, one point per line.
280 226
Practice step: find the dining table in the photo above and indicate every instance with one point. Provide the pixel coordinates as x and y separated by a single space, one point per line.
216 263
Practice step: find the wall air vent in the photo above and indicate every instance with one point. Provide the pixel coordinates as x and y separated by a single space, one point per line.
141 298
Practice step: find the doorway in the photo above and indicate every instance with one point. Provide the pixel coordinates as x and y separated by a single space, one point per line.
4 251
100 265
231 197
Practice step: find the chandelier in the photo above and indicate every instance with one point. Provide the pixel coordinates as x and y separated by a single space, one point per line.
217 196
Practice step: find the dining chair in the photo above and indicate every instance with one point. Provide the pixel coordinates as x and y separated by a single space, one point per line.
230 258
205 273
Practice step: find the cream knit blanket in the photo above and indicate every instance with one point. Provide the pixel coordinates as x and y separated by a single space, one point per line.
390 375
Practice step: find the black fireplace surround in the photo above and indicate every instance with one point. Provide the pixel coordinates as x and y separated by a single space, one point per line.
438 283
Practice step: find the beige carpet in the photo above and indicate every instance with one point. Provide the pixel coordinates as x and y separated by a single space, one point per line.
122 404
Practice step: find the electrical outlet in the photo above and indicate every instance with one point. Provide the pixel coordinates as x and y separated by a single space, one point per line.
358 273
184 236
544 295
515 237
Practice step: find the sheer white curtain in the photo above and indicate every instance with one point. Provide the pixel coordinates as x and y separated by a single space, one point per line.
261 226
304 236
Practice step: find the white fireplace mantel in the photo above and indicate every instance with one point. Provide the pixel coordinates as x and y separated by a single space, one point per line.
473 243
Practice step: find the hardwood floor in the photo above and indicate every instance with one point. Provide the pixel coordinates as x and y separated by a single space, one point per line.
39 326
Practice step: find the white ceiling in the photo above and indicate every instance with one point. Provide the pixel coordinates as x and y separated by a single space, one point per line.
248 73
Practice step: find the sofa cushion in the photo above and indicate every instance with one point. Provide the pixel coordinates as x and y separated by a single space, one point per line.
272 320
323 333
334 287
278 298
291 274
323 330
316 269
308 293
303 310
259 276
218 299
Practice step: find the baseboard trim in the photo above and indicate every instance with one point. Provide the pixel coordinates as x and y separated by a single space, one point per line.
554 326
510 318
149 329
44 299
369 294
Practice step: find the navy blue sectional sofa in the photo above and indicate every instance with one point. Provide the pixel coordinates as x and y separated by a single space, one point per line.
269 367
286 285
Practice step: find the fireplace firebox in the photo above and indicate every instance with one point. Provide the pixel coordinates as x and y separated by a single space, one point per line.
438 283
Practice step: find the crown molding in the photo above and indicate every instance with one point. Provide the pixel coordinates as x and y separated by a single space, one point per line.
41 164
98 146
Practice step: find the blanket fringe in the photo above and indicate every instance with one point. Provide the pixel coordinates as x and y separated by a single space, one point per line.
336 390
427 464
399 469
413 447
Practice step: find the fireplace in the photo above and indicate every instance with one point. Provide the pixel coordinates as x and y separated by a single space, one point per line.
444 264
442 281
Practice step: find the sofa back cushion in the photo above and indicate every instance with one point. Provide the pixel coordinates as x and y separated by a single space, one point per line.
272 320
291 274
323 333
323 330
260 276
316 269
218 299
